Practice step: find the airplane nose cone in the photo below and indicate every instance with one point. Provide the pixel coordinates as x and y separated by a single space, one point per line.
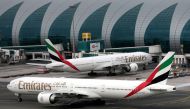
9 87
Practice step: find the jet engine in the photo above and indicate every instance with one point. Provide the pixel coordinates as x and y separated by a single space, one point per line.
47 98
132 67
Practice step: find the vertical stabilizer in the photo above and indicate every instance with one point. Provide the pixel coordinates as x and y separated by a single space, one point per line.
159 74
55 55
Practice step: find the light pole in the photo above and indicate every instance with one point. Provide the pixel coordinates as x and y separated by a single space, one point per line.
73 7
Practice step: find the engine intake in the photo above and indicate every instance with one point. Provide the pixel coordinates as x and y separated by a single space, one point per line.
132 67
47 98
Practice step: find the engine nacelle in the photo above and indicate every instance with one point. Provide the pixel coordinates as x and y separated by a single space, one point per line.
133 67
46 98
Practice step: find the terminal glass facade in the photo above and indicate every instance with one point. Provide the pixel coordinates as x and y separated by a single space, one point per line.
6 23
93 23
185 38
30 30
123 32
60 29
120 23
158 31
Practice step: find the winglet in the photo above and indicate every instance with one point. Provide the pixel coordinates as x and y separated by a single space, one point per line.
159 74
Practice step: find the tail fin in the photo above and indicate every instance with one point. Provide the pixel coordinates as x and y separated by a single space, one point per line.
161 72
53 52
159 75
57 57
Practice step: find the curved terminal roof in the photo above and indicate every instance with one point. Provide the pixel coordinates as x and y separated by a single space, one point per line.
118 22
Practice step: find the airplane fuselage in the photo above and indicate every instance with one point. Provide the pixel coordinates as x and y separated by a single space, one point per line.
102 62
49 90
114 89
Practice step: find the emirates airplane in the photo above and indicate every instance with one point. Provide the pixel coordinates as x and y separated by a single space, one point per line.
123 62
50 90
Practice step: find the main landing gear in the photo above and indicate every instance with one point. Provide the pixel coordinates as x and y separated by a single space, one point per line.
111 71
99 102
144 67
92 73
19 99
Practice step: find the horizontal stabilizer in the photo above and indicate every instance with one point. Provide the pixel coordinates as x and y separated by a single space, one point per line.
36 64
159 90
46 60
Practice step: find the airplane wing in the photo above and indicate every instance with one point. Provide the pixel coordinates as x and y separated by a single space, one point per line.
117 65
103 66
78 93
43 65
107 65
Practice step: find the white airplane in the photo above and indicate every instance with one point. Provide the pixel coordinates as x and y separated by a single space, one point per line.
49 90
123 62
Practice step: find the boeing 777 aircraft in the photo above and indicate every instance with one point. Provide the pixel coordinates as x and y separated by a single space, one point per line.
49 90
123 62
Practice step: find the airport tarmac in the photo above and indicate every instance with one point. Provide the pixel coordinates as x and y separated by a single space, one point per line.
175 100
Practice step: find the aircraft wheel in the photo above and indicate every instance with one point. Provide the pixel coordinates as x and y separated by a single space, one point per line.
19 99
92 74
144 67
111 74
100 102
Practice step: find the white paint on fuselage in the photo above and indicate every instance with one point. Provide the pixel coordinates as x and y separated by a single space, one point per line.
114 89
101 62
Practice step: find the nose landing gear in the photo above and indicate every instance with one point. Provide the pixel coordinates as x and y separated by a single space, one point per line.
19 99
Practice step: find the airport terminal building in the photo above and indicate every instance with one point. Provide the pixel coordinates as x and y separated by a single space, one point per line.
120 23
